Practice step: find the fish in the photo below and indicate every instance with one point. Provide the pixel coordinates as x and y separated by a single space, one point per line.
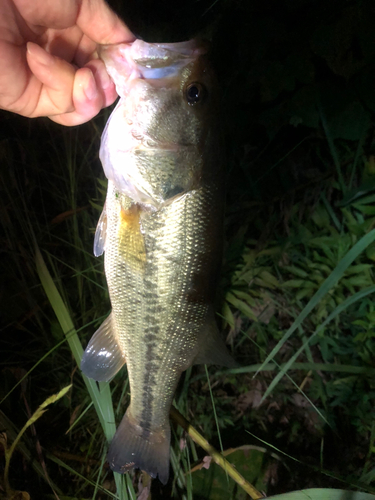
161 231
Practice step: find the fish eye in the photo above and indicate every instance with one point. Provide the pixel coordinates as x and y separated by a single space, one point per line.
195 93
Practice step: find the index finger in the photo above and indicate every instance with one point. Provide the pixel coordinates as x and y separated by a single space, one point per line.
98 21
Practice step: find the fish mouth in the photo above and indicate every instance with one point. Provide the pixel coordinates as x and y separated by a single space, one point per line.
162 60
149 61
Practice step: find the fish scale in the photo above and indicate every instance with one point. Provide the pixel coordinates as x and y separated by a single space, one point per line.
161 232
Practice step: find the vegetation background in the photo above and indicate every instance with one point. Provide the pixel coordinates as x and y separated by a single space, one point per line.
298 102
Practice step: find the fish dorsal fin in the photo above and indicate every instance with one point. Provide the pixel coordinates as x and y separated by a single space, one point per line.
212 349
131 237
103 356
100 234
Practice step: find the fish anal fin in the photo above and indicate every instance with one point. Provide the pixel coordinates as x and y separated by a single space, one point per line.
212 349
100 234
103 356
131 237
133 447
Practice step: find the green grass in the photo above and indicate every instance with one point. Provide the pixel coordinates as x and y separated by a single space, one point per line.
297 285
298 309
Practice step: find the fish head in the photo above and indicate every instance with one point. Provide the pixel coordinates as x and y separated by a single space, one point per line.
155 142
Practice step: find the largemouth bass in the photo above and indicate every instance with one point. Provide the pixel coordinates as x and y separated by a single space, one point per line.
161 230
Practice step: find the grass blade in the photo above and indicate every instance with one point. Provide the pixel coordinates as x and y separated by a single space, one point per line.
330 282
216 456
100 393
36 415
323 494
339 309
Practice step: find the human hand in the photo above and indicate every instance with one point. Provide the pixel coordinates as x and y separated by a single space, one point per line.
48 59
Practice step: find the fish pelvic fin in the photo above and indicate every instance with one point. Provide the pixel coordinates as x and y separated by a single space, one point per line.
103 356
134 447
212 348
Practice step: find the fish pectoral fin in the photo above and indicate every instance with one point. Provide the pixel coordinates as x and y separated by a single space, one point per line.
100 234
131 237
134 447
103 356
212 349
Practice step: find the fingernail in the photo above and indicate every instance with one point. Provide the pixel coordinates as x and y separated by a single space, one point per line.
89 88
39 54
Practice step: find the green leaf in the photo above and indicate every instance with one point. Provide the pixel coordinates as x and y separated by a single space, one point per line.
365 209
96 206
358 268
323 494
317 277
228 315
269 279
102 182
212 483
244 296
370 251
320 217
292 284
296 270
241 306
360 281
304 292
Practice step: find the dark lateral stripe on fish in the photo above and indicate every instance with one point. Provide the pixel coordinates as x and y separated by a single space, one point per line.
148 382
150 331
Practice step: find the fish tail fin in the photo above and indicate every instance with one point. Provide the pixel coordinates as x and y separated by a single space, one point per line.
134 447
